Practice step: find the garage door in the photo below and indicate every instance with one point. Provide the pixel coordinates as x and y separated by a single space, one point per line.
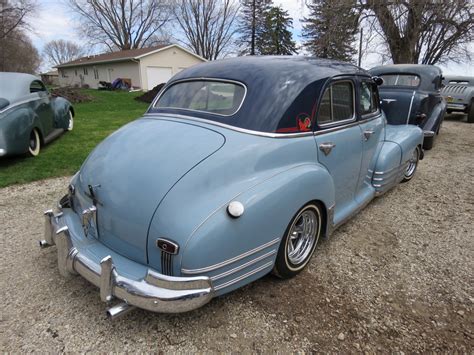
158 75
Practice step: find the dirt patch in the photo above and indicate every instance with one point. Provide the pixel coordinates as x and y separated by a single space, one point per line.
397 277
150 95
73 95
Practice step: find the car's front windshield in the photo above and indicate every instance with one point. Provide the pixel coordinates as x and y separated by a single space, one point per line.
210 96
400 80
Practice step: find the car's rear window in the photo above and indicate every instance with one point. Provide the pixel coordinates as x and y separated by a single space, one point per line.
400 80
216 97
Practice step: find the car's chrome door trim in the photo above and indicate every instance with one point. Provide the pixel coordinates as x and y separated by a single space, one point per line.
257 133
411 105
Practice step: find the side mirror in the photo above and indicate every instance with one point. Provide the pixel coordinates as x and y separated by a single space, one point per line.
4 103
378 80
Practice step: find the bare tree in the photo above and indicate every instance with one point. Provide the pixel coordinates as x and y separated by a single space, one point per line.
14 14
122 24
209 26
18 54
426 32
61 51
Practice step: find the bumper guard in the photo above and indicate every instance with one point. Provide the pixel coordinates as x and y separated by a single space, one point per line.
155 292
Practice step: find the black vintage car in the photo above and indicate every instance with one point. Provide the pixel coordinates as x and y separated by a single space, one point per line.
410 94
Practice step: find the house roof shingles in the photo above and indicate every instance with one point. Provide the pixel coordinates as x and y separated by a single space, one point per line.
111 57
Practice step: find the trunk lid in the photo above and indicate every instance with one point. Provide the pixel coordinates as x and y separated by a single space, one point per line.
132 170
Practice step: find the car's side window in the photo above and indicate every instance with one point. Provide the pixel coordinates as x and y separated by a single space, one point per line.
337 103
368 99
37 86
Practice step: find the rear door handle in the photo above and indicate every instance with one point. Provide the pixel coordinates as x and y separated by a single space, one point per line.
368 133
326 147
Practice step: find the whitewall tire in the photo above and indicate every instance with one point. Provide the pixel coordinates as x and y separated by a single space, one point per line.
34 144
71 121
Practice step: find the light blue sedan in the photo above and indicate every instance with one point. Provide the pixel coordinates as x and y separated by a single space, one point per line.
237 169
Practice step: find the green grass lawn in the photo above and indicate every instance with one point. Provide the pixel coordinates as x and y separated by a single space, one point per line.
93 122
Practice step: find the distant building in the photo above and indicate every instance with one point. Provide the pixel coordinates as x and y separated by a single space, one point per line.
143 68
50 77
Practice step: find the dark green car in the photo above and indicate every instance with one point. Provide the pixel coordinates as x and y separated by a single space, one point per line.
29 116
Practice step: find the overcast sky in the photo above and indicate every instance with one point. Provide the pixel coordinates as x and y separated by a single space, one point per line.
54 21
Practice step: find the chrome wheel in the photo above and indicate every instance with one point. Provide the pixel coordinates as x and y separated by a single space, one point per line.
412 164
299 242
302 237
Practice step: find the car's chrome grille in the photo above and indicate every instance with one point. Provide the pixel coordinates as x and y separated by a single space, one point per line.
166 263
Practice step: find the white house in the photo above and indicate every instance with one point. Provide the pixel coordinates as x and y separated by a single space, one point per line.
143 68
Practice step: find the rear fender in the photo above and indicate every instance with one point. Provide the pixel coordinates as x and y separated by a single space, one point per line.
387 167
408 137
17 126
61 108
436 117
268 210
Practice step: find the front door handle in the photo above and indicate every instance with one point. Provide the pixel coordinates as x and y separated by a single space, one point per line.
368 133
326 147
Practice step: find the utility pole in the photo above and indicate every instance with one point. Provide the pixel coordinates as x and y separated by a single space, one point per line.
360 46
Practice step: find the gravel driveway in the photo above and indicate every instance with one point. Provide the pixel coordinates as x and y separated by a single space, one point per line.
397 277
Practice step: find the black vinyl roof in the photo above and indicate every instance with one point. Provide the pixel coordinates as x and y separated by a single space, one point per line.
274 83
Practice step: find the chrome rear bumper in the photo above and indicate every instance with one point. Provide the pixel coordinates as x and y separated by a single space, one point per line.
154 292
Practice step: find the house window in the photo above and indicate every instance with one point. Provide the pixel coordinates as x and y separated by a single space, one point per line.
85 71
96 74
75 72
63 73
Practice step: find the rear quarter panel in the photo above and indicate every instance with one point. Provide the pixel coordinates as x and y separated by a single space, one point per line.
265 174
16 125
61 108
407 137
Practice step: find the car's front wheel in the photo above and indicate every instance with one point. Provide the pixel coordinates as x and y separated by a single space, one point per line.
299 242
34 144
412 165
71 121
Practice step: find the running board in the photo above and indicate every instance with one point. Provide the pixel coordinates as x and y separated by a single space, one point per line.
53 135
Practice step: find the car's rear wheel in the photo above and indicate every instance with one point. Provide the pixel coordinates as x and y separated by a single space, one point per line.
299 242
71 121
34 144
412 165
470 114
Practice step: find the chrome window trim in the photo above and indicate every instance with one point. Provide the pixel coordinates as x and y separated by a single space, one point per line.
235 82
401 86
20 103
344 126
243 266
244 276
379 109
257 133
341 122
232 260
233 128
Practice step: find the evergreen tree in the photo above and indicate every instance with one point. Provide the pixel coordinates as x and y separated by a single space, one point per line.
254 13
330 29
277 38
